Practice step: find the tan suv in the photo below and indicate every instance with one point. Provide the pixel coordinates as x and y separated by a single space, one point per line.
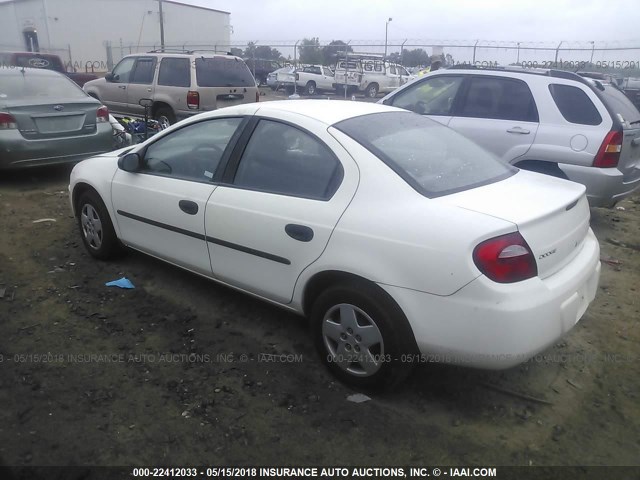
180 84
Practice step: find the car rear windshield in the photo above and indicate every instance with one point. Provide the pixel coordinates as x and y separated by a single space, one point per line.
22 86
223 72
620 104
430 157
38 61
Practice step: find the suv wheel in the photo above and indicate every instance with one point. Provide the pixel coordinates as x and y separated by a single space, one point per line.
165 117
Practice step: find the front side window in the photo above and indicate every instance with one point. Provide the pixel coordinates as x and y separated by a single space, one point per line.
499 98
285 160
175 72
434 159
392 69
193 152
122 71
432 96
143 72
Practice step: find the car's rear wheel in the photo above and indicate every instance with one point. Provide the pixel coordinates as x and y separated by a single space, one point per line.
310 88
372 90
165 117
362 335
96 228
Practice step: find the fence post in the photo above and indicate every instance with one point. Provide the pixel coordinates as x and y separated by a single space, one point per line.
556 60
474 51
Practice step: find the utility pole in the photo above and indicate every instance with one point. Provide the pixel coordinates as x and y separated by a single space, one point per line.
161 26
386 32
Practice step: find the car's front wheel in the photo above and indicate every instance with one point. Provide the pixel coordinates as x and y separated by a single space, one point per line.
165 117
362 336
96 228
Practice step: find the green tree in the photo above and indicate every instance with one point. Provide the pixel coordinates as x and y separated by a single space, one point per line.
310 51
330 52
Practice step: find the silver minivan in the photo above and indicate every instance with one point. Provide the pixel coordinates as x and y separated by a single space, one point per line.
180 84
548 121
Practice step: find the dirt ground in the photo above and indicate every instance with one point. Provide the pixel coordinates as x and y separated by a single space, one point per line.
181 371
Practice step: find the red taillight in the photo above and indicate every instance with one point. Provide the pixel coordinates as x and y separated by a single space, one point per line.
7 121
193 100
505 259
609 153
258 96
102 115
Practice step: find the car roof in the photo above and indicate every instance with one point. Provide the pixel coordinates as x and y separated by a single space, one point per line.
328 112
40 72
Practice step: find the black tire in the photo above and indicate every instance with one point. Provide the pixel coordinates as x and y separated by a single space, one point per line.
372 90
96 228
376 316
165 116
310 88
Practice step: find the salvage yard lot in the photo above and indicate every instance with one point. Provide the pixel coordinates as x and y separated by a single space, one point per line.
182 371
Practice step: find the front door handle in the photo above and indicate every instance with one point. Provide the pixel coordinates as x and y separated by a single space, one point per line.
122 87
301 233
519 130
188 207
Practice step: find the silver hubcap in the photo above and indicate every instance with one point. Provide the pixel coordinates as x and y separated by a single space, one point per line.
91 226
164 122
353 340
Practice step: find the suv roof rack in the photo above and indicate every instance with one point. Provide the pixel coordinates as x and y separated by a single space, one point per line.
549 72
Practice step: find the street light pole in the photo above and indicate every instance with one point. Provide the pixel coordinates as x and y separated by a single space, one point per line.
161 25
386 32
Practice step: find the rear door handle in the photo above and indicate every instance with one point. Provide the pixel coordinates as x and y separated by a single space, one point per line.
122 87
636 141
519 130
302 233
188 207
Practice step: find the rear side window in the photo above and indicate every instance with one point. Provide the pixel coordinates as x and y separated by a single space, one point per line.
621 104
499 98
285 160
223 72
174 72
575 105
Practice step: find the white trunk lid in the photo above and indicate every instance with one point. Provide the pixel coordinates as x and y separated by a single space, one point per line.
551 214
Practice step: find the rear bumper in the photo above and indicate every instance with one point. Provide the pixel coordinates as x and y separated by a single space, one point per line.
605 186
19 152
491 325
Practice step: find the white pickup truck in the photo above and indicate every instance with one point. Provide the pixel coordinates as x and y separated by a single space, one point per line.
315 78
369 74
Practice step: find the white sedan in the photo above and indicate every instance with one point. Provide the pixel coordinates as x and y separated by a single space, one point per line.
401 240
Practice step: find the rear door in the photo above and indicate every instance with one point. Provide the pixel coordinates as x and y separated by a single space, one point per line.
141 84
433 96
629 163
282 197
497 113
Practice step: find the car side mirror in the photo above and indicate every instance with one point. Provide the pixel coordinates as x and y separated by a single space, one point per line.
109 77
131 162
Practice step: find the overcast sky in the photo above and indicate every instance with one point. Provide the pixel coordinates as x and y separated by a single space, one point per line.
517 20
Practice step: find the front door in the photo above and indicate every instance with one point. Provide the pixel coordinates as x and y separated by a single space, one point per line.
161 209
275 216
141 84
113 94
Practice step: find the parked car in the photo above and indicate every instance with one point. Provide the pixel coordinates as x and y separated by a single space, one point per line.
368 74
261 68
47 61
399 238
284 77
46 119
549 121
312 79
180 84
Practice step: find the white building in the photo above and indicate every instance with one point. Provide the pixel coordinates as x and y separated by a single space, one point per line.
97 33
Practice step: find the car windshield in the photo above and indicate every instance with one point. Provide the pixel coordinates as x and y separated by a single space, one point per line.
430 157
22 86
223 72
